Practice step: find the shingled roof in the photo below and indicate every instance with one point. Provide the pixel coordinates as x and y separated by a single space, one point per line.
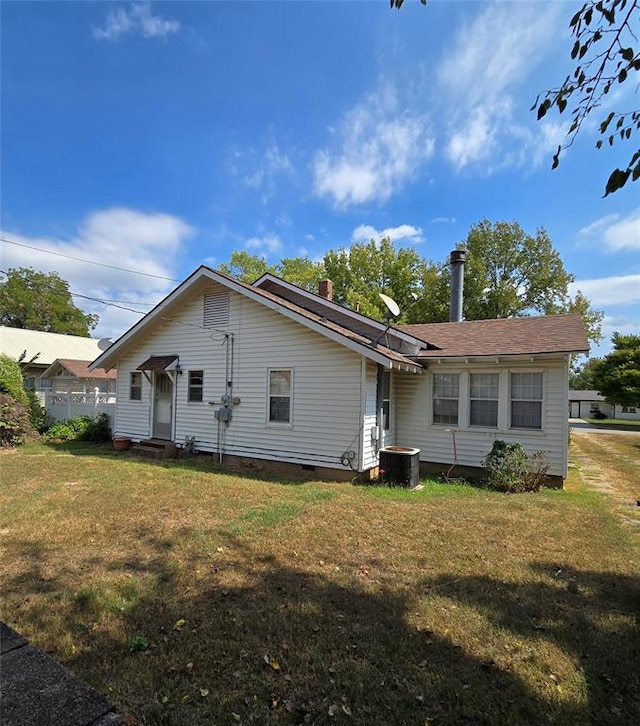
78 368
506 336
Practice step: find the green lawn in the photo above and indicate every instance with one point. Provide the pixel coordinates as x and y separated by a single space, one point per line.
615 422
190 596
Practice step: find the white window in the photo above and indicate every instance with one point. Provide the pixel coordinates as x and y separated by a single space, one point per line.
483 399
280 394
526 400
196 385
446 391
135 386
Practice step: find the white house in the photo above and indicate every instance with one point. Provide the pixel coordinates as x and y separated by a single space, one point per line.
41 349
584 404
270 373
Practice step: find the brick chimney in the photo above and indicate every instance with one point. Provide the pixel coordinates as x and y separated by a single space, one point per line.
325 289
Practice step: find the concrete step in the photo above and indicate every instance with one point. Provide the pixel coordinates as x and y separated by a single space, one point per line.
154 449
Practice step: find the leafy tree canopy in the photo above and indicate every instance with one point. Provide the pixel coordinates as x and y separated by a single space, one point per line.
508 273
39 301
581 377
605 49
11 381
617 375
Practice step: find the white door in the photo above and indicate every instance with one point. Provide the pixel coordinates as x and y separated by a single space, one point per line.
162 406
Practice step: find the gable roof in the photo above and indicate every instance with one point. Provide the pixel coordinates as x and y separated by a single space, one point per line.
363 345
78 369
504 336
49 346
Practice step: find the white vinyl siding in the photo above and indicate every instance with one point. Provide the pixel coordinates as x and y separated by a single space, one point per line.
326 418
414 404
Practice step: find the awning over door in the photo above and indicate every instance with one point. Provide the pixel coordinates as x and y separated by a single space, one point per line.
159 363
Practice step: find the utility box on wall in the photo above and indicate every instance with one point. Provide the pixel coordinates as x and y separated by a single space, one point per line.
400 466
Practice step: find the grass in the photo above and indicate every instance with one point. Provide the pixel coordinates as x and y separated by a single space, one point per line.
622 423
190 596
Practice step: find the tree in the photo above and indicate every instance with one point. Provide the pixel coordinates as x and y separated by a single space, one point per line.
39 301
604 37
300 271
617 375
581 377
364 270
510 273
603 46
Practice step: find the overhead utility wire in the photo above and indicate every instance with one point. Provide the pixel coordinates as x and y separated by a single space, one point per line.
88 262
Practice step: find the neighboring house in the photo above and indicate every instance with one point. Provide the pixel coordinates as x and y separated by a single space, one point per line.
56 367
69 378
44 349
272 373
584 404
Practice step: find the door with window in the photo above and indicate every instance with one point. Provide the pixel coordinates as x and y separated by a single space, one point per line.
162 406
383 405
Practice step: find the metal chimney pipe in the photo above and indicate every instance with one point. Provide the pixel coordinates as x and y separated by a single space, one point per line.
456 264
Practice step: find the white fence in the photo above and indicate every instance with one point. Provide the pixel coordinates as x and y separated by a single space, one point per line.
69 405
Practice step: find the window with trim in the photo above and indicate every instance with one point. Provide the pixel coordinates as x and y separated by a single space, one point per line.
135 386
446 391
196 384
483 399
526 400
280 393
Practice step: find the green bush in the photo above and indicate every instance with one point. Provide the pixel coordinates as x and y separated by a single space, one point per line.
80 428
11 380
15 422
40 419
511 468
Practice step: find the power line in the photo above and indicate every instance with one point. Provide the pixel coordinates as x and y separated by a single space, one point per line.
88 262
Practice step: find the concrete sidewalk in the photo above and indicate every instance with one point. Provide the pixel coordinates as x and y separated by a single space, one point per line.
35 690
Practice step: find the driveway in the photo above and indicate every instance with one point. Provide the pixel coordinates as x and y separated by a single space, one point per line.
578 424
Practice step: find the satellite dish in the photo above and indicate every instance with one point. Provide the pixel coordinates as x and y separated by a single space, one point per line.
392 305
105 343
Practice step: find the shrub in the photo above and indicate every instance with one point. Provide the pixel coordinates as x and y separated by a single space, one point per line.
11 380
15 422
81 428
40 419
512 469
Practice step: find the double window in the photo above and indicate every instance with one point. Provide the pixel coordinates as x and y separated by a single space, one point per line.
196 384
135 386
280 396
446 392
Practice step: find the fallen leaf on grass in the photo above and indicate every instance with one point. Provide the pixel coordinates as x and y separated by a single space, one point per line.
179 624
271 662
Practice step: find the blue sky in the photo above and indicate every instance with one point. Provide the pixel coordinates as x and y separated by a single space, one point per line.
160 136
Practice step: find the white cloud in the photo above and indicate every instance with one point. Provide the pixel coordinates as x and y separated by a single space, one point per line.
270 243
491 56
147 243
261 170
616 234
137 20
380 147
620 290
366 233
444 220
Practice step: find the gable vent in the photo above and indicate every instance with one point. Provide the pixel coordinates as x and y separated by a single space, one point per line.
216 308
